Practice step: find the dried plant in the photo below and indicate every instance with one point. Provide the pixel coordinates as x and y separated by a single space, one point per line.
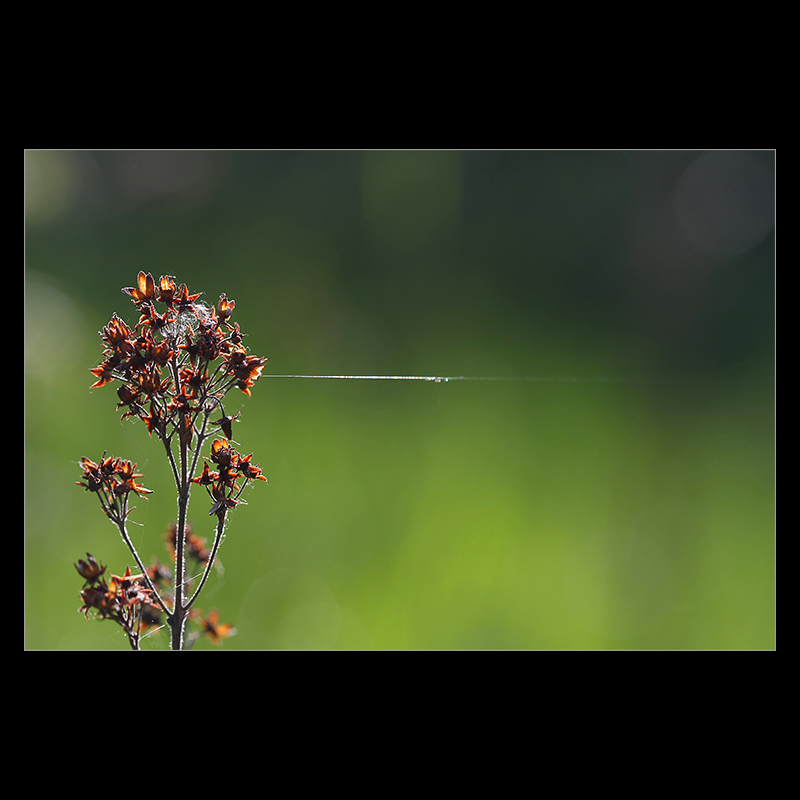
175 369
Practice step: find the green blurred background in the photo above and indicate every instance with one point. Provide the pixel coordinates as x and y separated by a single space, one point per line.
614 514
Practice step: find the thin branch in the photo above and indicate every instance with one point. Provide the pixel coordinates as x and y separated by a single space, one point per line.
211 559
120 520
171 459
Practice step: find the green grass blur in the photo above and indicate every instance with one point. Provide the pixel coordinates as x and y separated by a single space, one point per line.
634 514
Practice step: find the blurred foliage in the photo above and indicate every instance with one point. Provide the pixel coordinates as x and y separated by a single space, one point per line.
630 514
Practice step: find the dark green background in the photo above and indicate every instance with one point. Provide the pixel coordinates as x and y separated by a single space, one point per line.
633 514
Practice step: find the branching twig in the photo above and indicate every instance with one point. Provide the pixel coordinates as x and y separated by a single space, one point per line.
202 354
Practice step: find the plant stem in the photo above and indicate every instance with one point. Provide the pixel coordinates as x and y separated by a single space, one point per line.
180 612
120 520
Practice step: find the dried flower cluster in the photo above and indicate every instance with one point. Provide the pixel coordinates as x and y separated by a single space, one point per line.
121 598
127 601
174 366
113 480
221 486
185 341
